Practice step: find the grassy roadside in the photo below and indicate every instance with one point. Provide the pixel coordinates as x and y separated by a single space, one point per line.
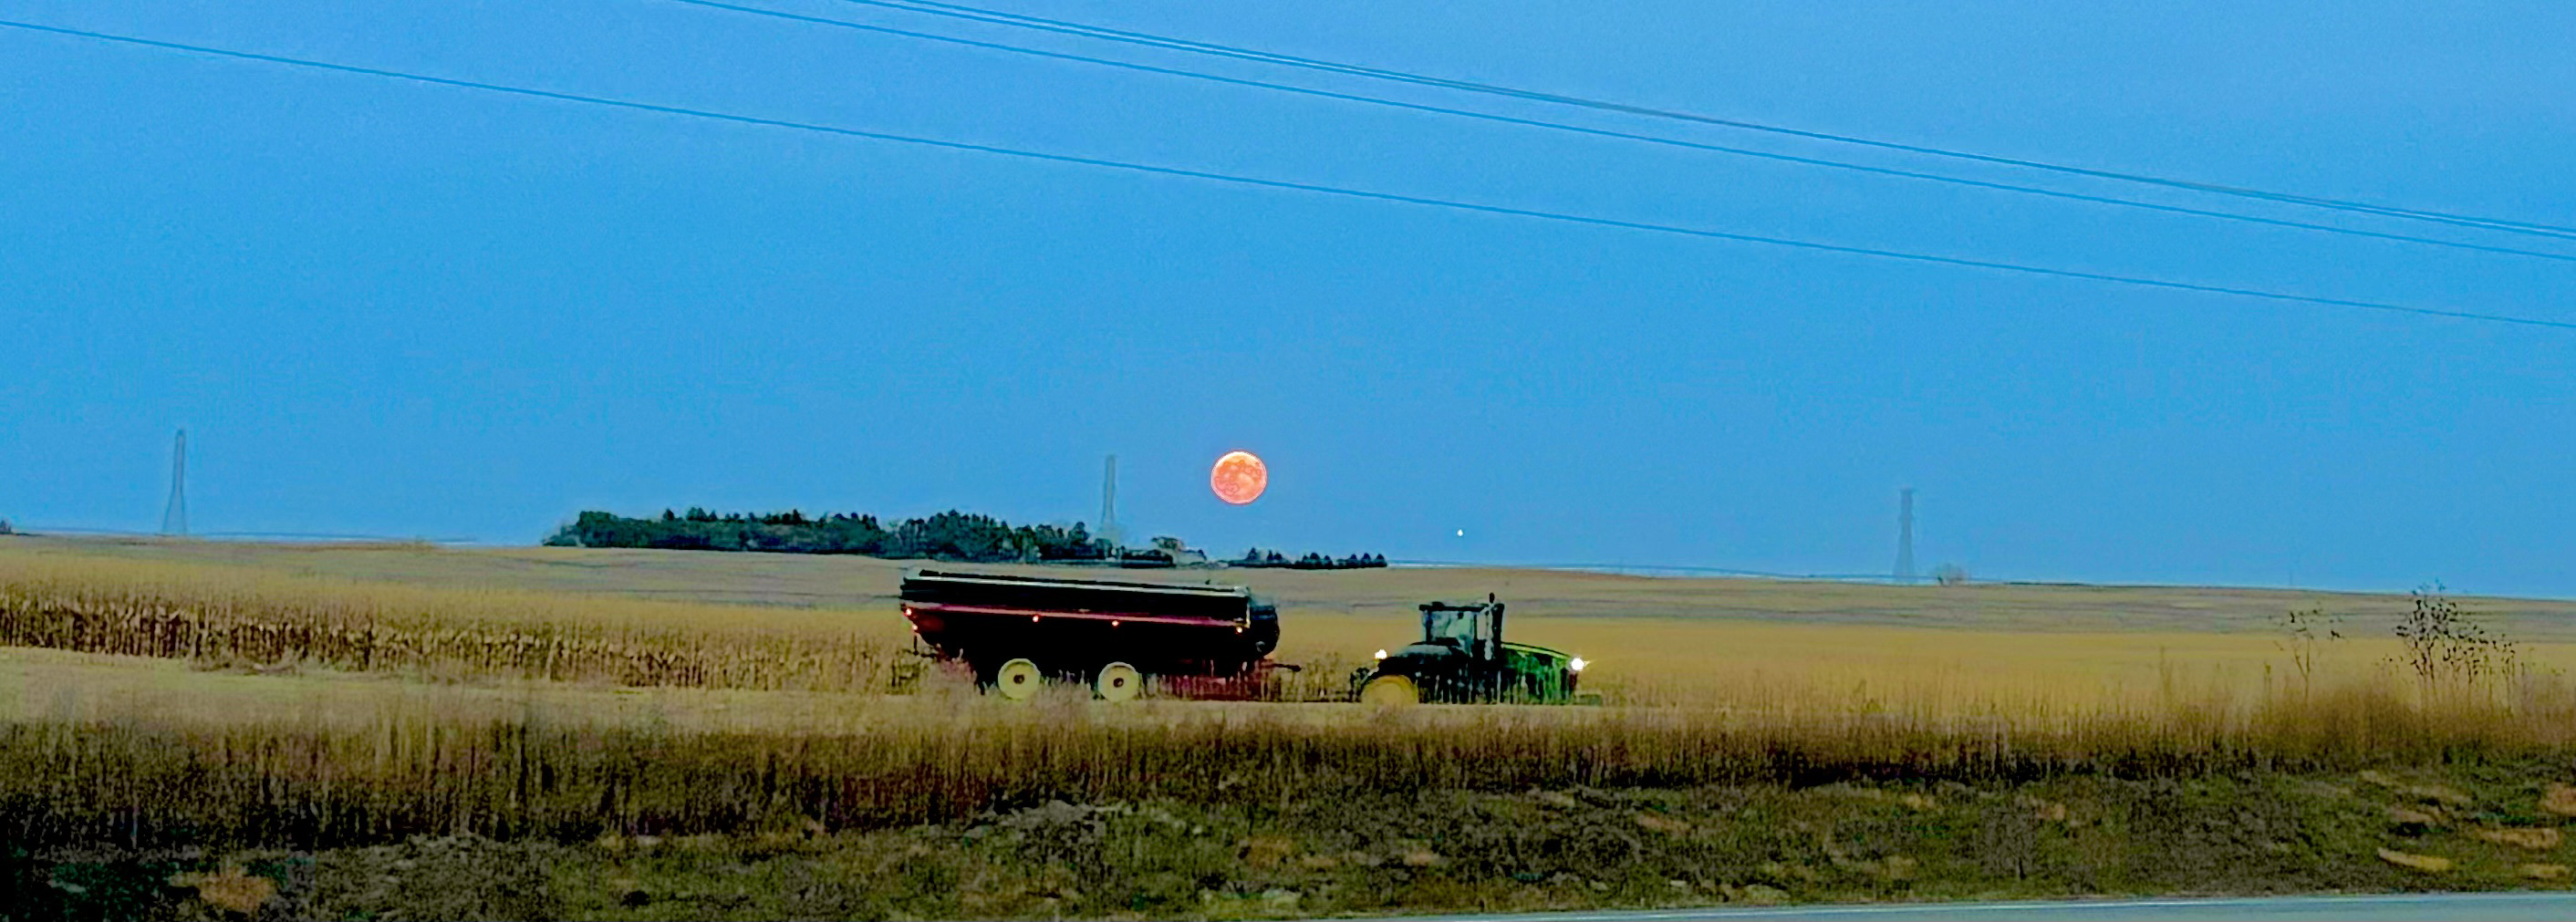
2470 825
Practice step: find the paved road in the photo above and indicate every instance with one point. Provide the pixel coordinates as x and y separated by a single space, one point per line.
2444 907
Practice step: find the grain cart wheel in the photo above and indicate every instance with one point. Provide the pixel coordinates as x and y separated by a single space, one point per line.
1390 690
1118 682
1018 680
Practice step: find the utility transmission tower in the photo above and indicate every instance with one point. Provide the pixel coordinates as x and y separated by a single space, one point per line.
1109 504
1905 535
174 520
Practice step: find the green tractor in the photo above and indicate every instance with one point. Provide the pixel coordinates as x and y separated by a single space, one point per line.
1462 659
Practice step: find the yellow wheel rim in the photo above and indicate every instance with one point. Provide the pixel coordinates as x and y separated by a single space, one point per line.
1119 682
1018 680
1390 690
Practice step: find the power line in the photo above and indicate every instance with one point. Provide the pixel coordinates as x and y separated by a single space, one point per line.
1319 189
1630 136
1067 27
1249 54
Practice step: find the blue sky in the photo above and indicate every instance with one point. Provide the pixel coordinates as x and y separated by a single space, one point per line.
394 309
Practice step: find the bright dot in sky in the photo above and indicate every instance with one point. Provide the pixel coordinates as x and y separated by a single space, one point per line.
1462 532
1239 477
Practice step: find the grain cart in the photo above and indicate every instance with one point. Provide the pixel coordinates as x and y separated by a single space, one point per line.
1018 633
1462 658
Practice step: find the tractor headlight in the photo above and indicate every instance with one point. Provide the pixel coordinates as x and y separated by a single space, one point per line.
1381 654
1577 665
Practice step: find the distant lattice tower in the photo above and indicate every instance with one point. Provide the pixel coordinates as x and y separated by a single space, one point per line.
1905 535
174 519
1109 504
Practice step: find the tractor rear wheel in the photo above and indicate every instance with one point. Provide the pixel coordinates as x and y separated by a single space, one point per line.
1118 682
1390 691
1018 680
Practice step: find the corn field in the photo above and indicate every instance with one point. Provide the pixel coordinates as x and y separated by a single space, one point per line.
220 617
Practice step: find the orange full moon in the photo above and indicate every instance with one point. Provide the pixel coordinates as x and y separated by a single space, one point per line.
1239 477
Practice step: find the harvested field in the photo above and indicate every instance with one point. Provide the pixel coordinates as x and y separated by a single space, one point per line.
808 581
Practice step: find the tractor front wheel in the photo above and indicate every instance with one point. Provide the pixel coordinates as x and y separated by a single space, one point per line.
1390 691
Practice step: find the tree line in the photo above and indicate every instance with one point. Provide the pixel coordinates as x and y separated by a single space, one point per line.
1257 557
950 536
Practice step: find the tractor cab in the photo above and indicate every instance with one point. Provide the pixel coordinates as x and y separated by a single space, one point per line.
1475 630
1462 658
